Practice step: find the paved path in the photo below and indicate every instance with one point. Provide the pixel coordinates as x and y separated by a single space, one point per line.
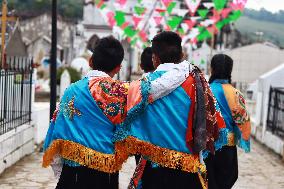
260 169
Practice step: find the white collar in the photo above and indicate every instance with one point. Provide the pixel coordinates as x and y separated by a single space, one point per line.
170 66
96 73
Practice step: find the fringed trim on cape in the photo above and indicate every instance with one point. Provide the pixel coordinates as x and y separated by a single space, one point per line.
165 157
84 156
244 144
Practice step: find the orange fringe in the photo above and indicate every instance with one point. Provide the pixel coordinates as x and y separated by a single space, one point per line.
112 163
165 157
84 156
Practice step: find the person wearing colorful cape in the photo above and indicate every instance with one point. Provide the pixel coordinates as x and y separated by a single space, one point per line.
172 131
223 166
79 143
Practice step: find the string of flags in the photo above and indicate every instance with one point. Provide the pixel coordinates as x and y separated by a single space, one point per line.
198 22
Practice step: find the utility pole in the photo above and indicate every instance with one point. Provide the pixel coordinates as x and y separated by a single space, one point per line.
4 20
53 58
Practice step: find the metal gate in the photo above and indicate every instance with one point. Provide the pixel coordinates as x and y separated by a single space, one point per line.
275 118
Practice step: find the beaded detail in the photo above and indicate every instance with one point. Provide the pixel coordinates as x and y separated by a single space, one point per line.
111 97
69 109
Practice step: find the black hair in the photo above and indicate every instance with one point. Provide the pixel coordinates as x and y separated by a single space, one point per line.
167 46
146 60
107 54
221 67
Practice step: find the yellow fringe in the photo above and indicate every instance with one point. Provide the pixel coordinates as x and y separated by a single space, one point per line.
165 157
84 156
231 139
111 163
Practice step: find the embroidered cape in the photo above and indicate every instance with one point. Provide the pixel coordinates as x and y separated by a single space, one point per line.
83 125
170 131
82 129
233 108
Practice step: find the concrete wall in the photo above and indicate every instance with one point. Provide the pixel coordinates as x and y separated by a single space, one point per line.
16 144
263 136
40 118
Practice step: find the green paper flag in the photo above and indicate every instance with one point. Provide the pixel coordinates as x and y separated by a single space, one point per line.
220 4
181 31
235 16
203 13
174 22
204 34
119 17
171 7
133 41
129 31
139 10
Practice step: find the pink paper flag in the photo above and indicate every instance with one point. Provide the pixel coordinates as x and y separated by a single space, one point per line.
190 23
143 35
238 5
167 2
213 29
111 20
136 20
158 19
216 16
225 12
192 5
121 2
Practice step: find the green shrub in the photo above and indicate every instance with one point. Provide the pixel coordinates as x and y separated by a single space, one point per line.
74 74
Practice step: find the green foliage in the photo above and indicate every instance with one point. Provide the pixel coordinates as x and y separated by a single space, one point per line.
265 15
70 9
74 74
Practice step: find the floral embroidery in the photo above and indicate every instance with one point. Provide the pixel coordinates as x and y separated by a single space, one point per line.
240 114
114 88
69 109
111 97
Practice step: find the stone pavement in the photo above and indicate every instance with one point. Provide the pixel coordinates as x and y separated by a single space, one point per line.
260 169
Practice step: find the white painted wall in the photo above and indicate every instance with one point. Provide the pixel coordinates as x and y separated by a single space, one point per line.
16 144
40 118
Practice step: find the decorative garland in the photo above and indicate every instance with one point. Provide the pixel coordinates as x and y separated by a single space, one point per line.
201 21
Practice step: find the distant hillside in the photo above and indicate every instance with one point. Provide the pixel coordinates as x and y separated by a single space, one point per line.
272 31
68 9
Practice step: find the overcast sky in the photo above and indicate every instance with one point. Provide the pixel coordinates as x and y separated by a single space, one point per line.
271 5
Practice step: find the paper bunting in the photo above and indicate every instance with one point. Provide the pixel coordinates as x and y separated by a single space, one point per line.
119 17
139 10
167 2
220 4
190 23
198 23
111 20
225 12
100 4
236 15
174 22
203 13
136 20
170 7
121 2
129 32
158 20
192 5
